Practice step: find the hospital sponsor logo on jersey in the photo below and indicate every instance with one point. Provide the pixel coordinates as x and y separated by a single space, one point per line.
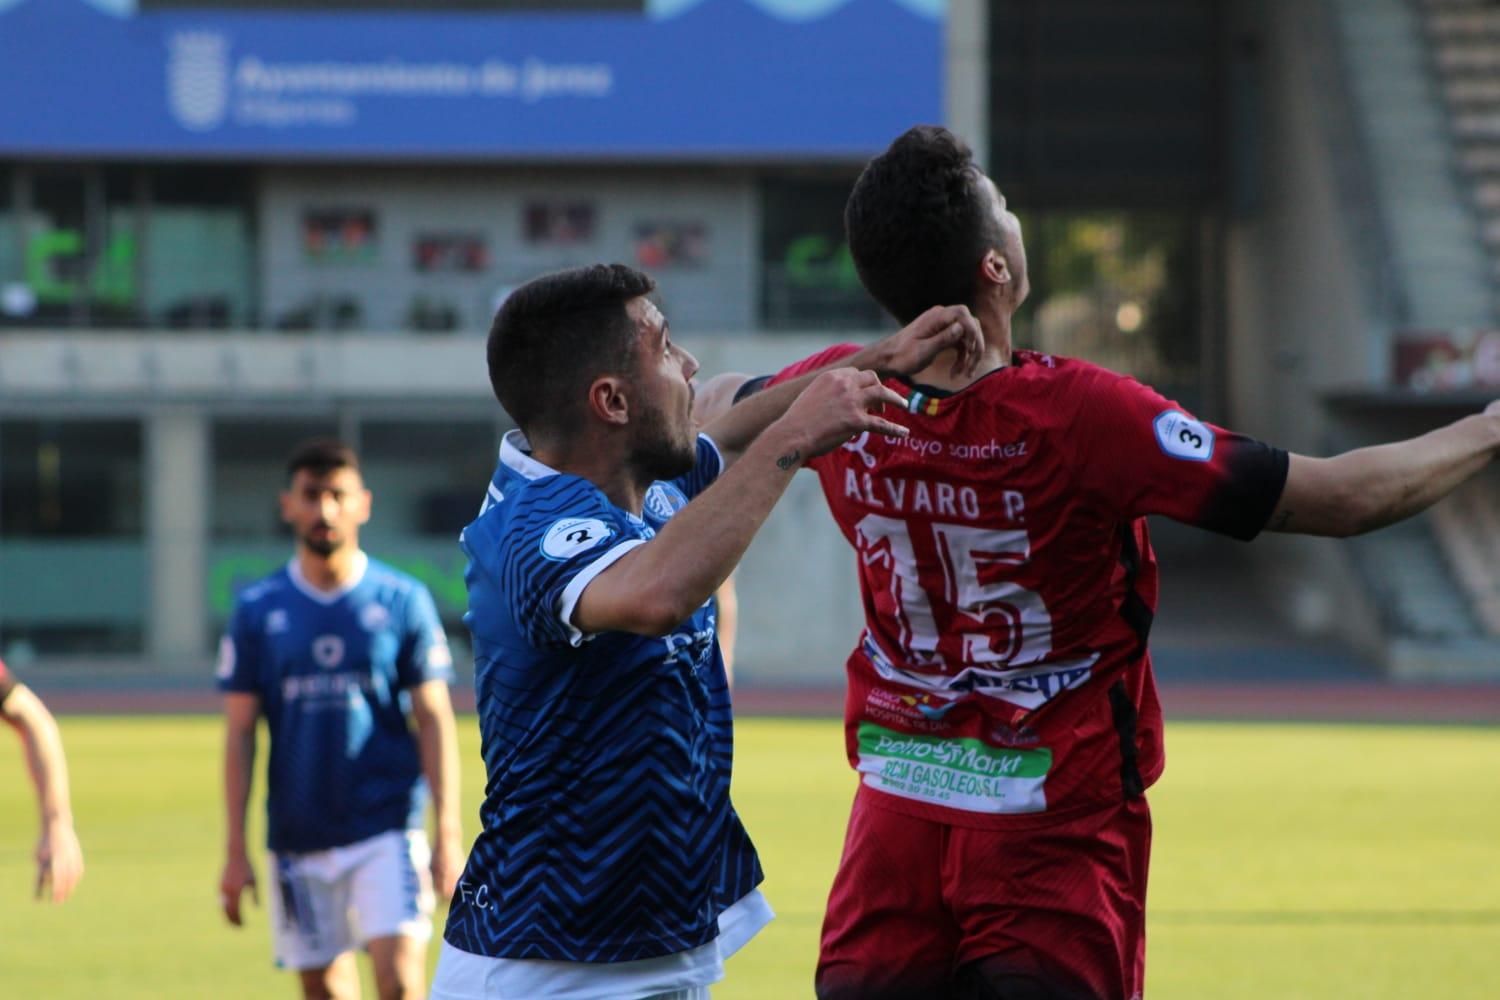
663 500
962 773
1180 436
224 669
374 617
572 535
328 651
925 712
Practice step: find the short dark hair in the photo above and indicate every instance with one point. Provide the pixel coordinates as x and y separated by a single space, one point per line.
556 334
919 223
321 456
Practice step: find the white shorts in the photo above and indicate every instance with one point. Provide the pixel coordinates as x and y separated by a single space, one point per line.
685 975
324 903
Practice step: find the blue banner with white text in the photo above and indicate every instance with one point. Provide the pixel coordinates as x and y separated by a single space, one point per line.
654 79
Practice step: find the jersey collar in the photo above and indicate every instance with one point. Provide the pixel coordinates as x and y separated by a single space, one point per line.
515 455
929 399
294 570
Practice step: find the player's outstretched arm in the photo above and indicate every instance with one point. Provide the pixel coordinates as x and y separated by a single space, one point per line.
905 352
1371 488
241 715
653 588
437 741
59 858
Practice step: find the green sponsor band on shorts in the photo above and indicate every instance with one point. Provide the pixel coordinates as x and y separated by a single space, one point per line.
961 772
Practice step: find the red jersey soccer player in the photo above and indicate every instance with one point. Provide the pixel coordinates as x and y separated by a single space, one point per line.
1001 708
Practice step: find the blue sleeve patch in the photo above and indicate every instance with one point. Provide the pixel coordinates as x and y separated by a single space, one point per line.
560 526
1180 436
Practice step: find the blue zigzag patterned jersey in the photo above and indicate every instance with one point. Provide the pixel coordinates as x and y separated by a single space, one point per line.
332 671
608 831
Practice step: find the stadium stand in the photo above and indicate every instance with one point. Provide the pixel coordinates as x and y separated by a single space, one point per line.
1467 527
1465 39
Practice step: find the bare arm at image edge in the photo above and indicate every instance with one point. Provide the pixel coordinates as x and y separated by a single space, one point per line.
59 858
1371 488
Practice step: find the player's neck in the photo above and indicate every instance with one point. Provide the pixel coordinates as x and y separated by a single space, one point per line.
611 472
940 375
333 571
996 356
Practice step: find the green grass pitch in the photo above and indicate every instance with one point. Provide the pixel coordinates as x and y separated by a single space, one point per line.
1290 861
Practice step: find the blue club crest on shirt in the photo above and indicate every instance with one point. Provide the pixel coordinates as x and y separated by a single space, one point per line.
663 500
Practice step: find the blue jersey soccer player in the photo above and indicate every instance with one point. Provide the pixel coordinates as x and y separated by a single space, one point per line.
335 650
611 863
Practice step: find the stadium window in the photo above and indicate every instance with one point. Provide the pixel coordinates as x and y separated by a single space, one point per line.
559 223
422 492
424 496
80 246
807 275
1123 289
199 248
72 557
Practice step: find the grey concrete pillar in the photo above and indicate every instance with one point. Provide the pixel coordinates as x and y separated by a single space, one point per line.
967 100
177 530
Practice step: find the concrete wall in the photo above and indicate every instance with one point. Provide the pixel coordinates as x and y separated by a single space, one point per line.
1300 320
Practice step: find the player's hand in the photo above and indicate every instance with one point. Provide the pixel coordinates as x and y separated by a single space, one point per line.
940 328
59 861
835 407
447 863
238 876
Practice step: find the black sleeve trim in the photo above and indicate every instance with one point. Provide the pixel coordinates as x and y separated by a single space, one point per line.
750 387
1125 717
1133 608
1245 503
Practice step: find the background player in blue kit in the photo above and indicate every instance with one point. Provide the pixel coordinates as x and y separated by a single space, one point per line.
611 863
335 650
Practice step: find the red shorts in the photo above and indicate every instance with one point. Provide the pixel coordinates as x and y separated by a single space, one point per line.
921 909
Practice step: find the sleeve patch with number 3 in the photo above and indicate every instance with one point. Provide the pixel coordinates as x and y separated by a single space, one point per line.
1183 437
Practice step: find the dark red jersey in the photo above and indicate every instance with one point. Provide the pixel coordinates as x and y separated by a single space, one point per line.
1009 584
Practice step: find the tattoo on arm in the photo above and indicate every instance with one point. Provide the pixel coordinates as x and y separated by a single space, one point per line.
789 460
1281 520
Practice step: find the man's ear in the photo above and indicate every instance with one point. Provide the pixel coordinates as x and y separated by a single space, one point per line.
607 400
995 269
